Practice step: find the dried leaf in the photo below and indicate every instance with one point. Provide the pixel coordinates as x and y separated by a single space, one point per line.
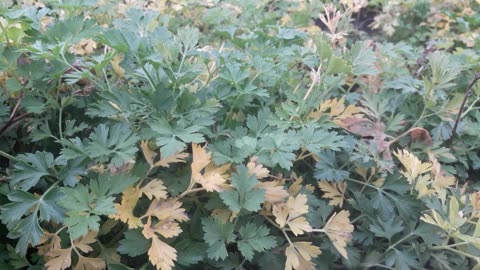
49 241
86 263
257 169
290 214
339 230
125 209
213 178
83 243
163 162
161 255
116 60
147 153
84 47
333 191
274 191
155 188
167 209
59 259
300 254
413 166
168 228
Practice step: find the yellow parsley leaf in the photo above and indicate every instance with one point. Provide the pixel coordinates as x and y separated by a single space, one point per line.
83 243
413 166
125 209
163 162
161 255
257 169
87 263
300 254
154 188
289 213
167 228
59 259
297 206
116 60
167 209
274 191
333 191
213 178
84 47
339 230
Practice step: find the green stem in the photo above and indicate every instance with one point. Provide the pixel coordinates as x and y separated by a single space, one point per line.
8 156
4 30
399 241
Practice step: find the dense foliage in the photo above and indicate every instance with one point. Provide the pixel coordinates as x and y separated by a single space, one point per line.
239 134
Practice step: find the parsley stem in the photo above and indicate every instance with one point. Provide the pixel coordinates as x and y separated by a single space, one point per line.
8 156
4 30
399 241
190 191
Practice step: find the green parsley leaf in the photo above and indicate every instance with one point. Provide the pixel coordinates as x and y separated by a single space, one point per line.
254 239
244 195
216 235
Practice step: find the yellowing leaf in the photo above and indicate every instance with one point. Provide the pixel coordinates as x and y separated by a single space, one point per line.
49 241
213 178
299 225
413 166
296 186
274 191
163 162
116 60
176 158
339 230
154 188
300 254
84 47
161 255
125 209
289 213
59 259
297 206
224 215
421 185
338 112
257 169
167 209
333 191
168 228
83 243
86 263
280 212
147 153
